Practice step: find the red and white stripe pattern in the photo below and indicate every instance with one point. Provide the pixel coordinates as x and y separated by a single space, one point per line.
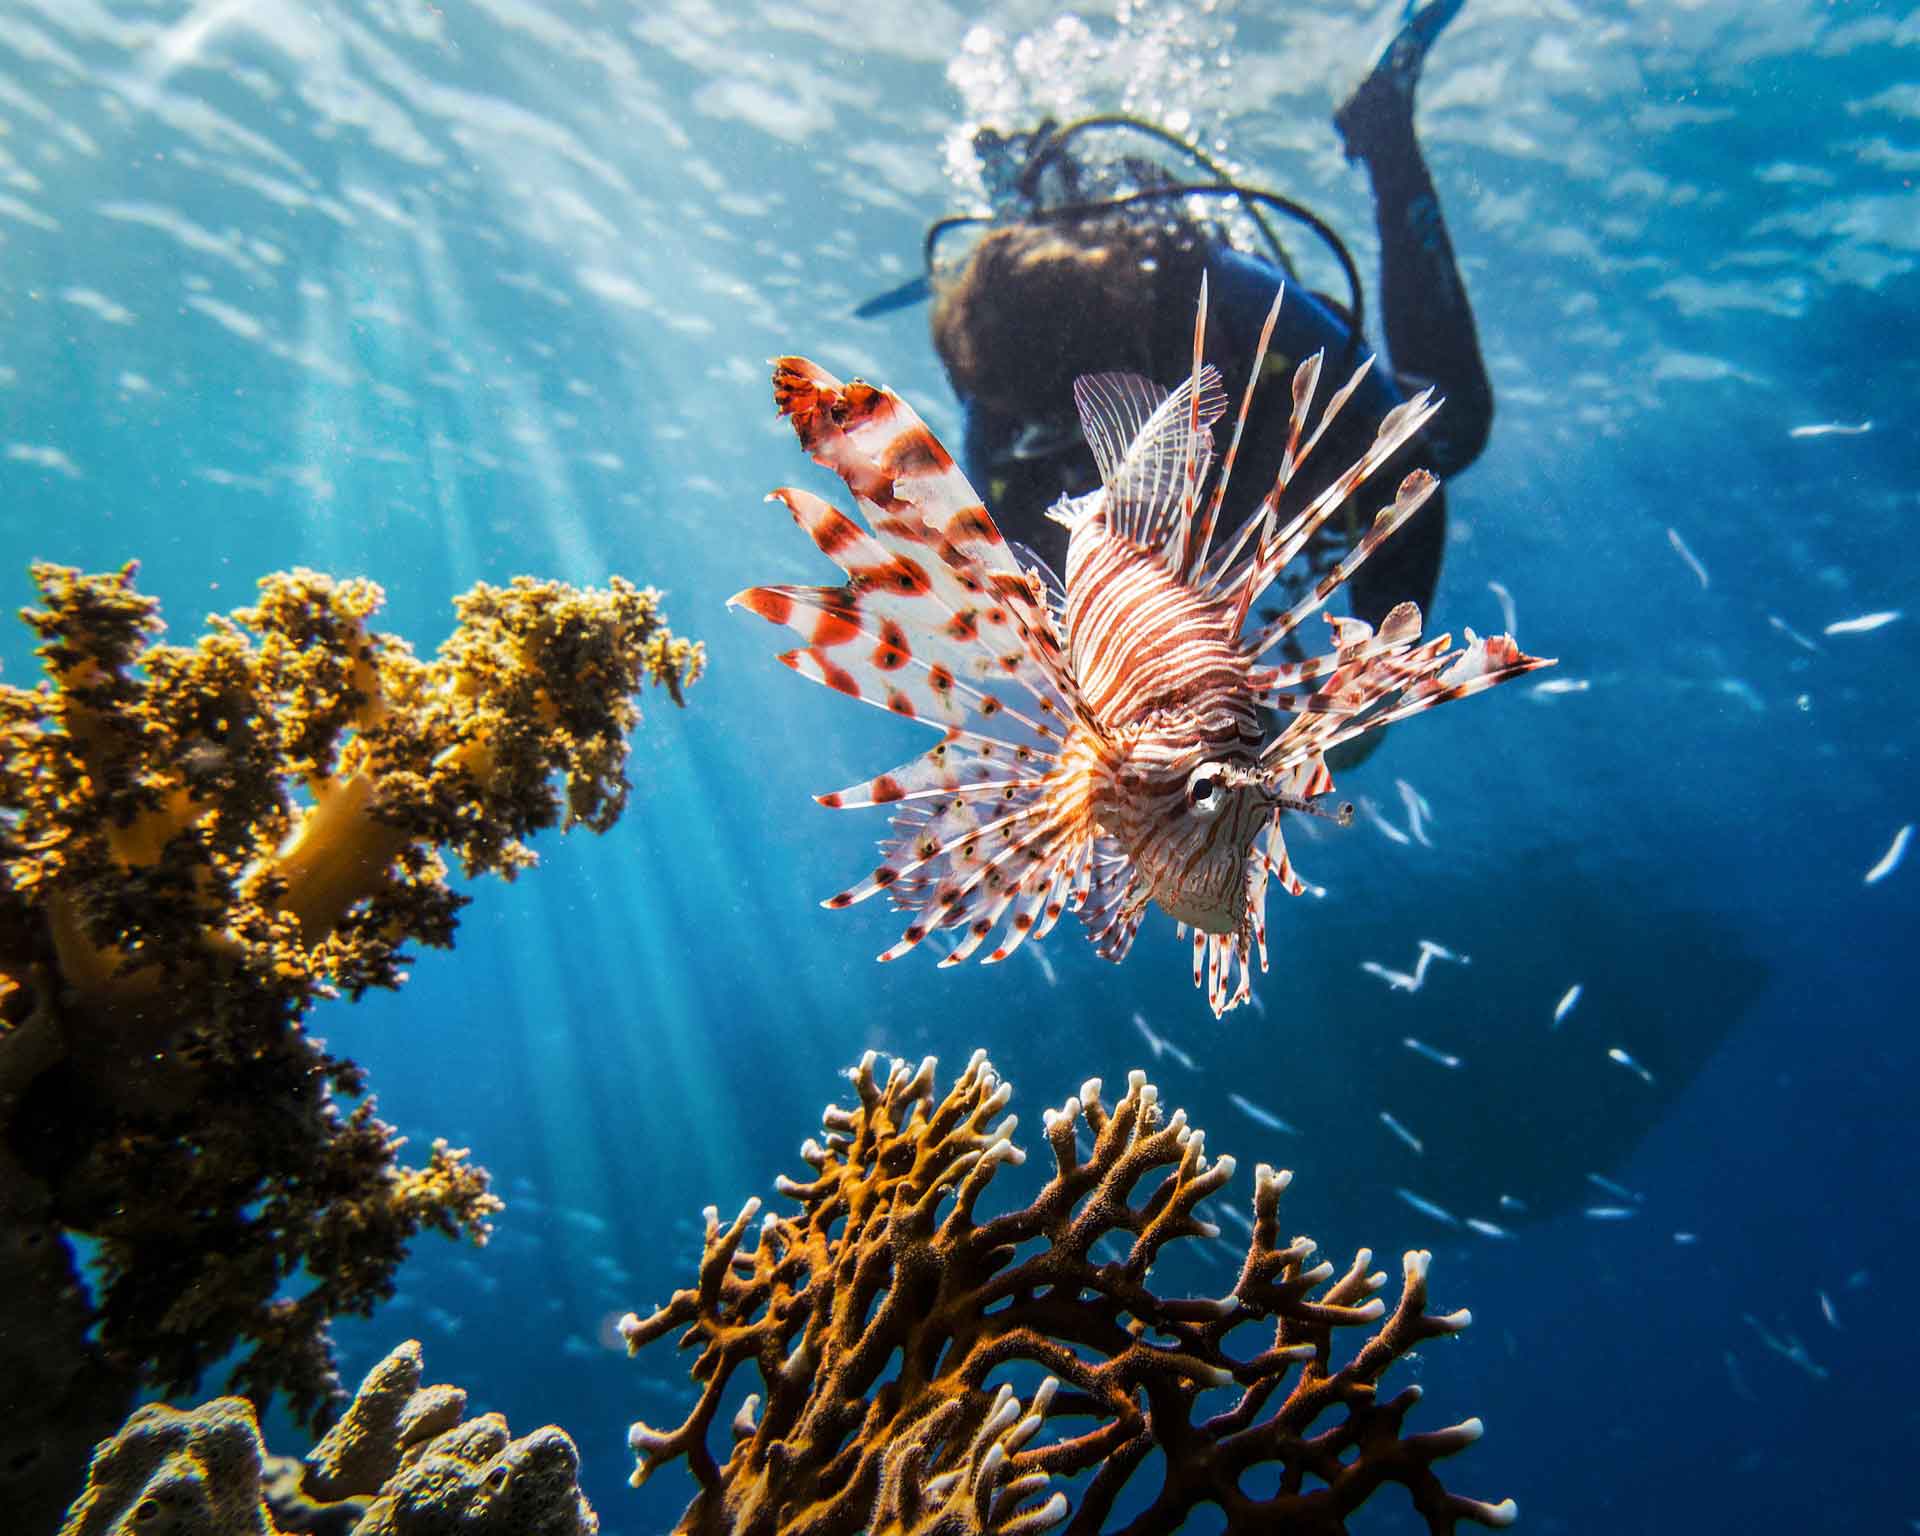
1115 753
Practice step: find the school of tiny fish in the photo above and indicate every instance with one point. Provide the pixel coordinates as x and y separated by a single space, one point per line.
1105 750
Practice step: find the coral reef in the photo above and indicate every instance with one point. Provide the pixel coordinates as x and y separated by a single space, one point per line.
887 1265
197 843
195 1473
400 1463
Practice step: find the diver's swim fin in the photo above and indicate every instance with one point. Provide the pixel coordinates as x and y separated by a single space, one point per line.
895 298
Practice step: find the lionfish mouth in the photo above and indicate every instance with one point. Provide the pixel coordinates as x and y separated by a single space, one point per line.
1268 788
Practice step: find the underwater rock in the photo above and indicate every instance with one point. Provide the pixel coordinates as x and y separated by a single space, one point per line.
59 1391
201 1472
198 844
882 1319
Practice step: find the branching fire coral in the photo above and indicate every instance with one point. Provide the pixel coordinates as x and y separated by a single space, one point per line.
196 844
887 1262
401 1462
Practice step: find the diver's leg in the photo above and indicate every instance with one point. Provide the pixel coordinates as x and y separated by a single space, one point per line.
1426 314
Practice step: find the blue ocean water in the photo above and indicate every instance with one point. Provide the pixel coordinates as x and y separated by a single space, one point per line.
437 293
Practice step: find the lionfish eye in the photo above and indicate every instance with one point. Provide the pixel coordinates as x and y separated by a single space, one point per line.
1203 788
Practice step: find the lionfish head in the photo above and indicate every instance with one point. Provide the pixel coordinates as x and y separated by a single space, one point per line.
1193 810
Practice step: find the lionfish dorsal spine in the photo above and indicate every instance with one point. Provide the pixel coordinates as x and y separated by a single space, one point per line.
1180 540
1196 562
1413 494
1275 551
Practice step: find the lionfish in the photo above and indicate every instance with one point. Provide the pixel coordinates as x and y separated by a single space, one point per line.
1112 745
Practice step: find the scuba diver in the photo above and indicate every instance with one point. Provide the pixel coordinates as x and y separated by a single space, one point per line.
1093 266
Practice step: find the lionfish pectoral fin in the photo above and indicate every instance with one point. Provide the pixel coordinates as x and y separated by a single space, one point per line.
1051 586
1146 482
1114 410
1003 859
1117 900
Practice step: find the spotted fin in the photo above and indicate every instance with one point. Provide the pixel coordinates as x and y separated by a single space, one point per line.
960 763
922 636
940 622
1117 900
966 865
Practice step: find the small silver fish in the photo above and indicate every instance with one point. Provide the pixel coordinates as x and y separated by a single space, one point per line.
1159 1044
1386 828
1788 1347
1620 1191
1418 812
1831 429
1402 1132
1400 981
1615 1054
1865 624
1890 860
1427 1208
1693 561
1791 633
1261 1116
1421 1048
1566 1005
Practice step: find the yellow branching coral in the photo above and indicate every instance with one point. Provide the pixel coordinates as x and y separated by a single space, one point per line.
402 1462
196 844
887 1265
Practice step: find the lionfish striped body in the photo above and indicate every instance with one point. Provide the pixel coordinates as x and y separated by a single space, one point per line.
1110 749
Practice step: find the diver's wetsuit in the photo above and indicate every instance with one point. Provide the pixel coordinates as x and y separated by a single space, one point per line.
1431 340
